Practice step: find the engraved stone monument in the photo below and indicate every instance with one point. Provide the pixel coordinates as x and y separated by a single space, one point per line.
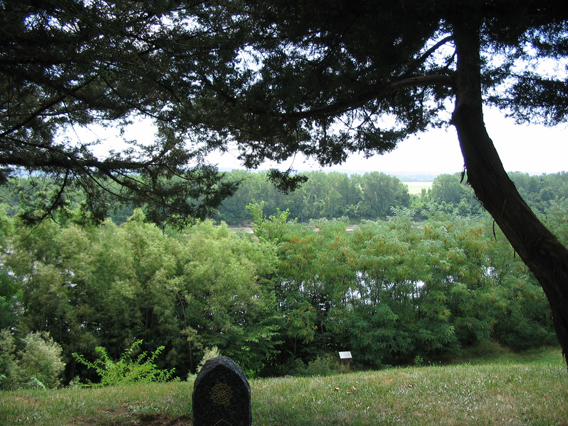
221 395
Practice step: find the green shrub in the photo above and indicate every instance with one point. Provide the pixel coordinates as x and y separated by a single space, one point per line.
41 360
37 365
321 366
127 370
9 368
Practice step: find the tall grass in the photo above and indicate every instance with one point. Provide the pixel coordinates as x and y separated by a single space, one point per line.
498 389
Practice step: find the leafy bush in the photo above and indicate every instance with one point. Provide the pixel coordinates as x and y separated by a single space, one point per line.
321 366
38 364
41 360
9 368
127 370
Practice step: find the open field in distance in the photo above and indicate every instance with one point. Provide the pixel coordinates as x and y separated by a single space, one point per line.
416 187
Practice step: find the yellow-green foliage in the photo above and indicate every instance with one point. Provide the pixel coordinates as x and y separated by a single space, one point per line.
127 370
38 364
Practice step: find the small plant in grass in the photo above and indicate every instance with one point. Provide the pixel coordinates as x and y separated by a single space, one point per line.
127 370
418 360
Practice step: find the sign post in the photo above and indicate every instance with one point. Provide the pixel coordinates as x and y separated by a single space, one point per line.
345 356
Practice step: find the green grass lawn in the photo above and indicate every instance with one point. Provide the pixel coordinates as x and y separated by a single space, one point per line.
497 388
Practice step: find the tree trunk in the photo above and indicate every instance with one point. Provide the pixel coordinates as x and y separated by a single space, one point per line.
544 255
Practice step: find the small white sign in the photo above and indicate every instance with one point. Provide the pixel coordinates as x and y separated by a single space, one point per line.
345 355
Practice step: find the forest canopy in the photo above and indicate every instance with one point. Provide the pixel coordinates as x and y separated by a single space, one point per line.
281 301
324 195
425 284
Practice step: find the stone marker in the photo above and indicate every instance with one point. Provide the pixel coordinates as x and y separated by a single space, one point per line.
221 395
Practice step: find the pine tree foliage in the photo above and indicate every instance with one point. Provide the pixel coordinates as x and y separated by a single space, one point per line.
66 64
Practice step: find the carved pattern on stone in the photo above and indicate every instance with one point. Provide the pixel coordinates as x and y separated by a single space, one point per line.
221 394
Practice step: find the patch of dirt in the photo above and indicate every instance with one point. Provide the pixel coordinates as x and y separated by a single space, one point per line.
164 420
139 420
24 400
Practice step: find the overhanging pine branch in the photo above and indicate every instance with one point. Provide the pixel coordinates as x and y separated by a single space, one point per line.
358 100
67 161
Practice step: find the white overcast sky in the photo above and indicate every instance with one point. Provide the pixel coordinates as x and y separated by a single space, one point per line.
532 149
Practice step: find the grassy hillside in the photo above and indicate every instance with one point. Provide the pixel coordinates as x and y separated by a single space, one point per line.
497 388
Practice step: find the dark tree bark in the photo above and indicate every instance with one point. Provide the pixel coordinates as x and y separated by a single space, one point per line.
544 255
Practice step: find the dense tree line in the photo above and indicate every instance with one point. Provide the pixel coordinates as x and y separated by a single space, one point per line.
323 195
450 194
390 291
396 289
375 195
110 286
